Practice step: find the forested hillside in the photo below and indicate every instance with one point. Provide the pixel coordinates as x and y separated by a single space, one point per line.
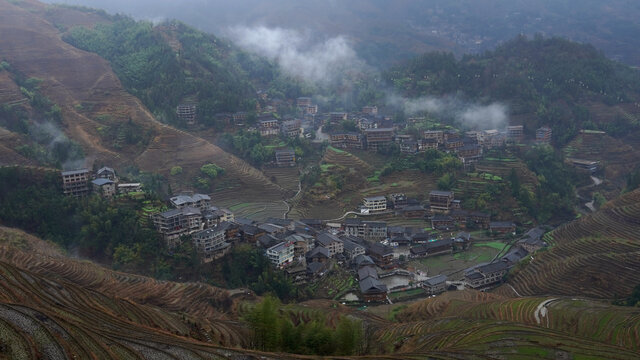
551 82
171 63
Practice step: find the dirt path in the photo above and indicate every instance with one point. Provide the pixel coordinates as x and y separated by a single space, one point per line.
541 311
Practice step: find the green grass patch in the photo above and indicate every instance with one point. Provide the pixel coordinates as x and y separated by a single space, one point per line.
492 244
408 293
337 150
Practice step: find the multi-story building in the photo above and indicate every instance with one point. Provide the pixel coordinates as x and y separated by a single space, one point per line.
440 201
269 127
107 173
370 110
377 138
337 117
375 203
291 128
365 123
211 243
285 158
176 223
351 249
104 187
368 230
76 182
543 135
347 140
485 275
187 113
435 285
281 254
200 201
302 102
331 243
437 135
129 188
515 132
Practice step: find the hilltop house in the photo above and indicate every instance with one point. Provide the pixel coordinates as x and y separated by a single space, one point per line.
515 132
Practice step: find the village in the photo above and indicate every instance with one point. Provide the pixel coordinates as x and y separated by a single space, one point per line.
383 259
378 256
457 248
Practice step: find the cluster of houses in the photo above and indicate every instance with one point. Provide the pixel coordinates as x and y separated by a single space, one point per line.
442 209
305 249
104 181
491 274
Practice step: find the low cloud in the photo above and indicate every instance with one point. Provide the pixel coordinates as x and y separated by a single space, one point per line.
323 63
471 115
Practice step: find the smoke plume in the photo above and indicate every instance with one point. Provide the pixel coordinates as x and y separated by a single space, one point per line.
322 63
470 115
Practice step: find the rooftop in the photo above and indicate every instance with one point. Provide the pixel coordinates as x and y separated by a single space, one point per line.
74 172
436 280
102 181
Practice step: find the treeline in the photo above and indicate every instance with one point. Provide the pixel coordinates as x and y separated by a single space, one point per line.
274 330
106 231
247 266
551 78
166 64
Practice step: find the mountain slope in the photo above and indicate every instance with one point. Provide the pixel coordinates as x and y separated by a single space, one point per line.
596 256
91 99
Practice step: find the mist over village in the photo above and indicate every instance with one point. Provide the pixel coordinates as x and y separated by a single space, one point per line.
293 179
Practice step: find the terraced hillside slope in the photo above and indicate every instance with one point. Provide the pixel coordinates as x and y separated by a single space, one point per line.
595 256
92 99
537 327
55 307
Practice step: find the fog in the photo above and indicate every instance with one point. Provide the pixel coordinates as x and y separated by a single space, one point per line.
385 32
323 63
466 114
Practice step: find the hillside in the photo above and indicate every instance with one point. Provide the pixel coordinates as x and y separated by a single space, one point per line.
94 108
554 82
385 32
595 256
49 305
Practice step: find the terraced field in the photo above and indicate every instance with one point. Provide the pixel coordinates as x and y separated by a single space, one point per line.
619 326
55 307
617 157
595 256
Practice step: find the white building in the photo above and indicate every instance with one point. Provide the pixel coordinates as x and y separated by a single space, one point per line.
281 254
375 203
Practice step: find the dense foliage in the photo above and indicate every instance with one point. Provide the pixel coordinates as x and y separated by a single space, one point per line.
171 63
247 266
274 330
551 78
103 230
